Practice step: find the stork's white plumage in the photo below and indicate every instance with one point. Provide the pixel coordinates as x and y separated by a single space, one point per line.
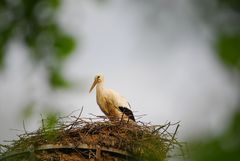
113 105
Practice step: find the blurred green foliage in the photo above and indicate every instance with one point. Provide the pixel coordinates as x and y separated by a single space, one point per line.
233 4
228 41
34 23
228 47
57 80
225 147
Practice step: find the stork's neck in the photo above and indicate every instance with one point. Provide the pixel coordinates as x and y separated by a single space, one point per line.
100 88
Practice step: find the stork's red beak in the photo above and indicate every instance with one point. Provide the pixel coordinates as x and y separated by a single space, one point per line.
93 85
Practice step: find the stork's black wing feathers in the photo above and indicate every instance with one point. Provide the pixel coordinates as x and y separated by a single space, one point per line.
127 112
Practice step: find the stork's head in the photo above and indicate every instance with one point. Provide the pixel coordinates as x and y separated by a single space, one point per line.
98 79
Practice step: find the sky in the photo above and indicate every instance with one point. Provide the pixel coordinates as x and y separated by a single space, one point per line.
158 55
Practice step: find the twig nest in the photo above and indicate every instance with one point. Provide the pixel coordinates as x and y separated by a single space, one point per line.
91 138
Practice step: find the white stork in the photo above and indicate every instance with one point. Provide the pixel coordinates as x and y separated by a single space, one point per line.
114 106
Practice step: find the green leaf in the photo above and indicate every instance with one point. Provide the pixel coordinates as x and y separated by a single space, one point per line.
234 4
57 80
64 45
228 47
225 147
34 23
55 3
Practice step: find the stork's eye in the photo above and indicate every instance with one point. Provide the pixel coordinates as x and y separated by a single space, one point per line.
98 77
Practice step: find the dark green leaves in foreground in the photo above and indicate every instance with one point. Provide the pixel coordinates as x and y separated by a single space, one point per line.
57 80
225 147
234 4
228 40
34 23
228 47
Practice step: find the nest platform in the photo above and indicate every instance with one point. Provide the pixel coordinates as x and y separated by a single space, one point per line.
90 139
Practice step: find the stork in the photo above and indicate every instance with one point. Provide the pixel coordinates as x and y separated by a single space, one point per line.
112 104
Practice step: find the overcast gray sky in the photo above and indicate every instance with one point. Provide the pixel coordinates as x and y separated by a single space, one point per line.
156 54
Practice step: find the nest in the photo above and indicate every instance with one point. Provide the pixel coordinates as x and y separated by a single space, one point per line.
80 139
